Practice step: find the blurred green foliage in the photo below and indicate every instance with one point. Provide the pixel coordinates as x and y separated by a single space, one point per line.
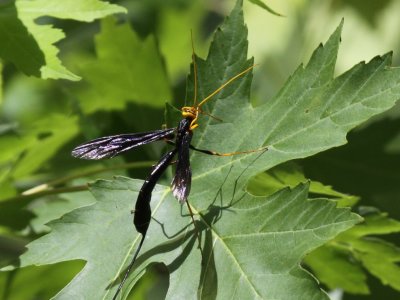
41 120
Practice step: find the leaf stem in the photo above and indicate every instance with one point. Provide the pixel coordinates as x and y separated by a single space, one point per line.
68 178
46 189
37 194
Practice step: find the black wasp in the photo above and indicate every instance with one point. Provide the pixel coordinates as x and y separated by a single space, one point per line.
180 137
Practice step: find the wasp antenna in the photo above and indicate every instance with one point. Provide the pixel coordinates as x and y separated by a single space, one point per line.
225 84
194 69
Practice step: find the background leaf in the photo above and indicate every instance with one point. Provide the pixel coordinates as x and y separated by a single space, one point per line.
356 250
43 140
264 6
18 42
290 174
121 54
23 33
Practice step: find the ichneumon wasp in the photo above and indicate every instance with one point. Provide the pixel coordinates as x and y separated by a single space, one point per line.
180 137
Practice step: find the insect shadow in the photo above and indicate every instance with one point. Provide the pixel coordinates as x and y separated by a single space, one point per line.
185 239
208 284
208 280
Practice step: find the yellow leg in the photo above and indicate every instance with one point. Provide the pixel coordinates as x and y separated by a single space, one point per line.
210 152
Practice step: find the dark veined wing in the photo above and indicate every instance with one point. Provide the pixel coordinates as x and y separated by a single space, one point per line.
110 146
183 175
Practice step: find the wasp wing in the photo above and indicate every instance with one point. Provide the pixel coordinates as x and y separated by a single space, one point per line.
183 175
110 146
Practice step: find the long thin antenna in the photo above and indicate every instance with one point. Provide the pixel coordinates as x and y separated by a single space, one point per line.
129 267
194 69
224 85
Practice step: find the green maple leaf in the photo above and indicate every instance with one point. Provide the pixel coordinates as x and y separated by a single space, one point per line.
290 175
253 246
115 44
249 259
351 253
30 46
